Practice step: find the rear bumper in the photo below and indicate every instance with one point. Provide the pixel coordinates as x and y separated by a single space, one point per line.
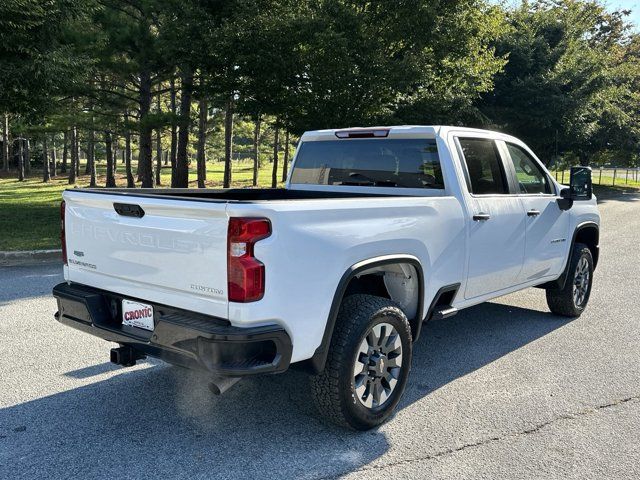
180 337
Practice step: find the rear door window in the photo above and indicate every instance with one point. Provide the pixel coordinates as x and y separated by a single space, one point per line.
484 167
387 162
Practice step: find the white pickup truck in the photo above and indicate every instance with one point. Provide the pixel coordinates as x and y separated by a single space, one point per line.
377 231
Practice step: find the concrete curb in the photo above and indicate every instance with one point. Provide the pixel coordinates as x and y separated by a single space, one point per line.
30 257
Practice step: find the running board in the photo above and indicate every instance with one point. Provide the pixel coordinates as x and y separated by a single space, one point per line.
444 311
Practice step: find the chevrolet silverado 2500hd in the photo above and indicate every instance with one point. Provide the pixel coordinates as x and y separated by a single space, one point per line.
377 231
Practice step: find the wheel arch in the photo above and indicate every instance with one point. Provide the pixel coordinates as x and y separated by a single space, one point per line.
587 233
317 362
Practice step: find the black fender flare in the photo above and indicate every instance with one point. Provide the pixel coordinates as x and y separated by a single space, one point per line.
562 279
317 362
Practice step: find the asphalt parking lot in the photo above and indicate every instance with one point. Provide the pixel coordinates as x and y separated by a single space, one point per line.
502 390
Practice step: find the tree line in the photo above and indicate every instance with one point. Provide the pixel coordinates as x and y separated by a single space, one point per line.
159 83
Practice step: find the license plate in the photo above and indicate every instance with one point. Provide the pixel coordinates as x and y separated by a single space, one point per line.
138 315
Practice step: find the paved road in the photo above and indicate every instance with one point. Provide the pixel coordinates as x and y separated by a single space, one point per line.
503 390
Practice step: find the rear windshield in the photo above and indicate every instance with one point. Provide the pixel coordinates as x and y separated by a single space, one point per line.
408 163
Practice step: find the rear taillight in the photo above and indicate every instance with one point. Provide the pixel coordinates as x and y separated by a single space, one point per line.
63 237
245 273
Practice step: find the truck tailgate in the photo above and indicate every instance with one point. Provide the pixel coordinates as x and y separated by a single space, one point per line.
174 254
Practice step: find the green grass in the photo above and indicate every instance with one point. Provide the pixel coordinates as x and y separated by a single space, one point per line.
603 186
29 214
606 179
29 210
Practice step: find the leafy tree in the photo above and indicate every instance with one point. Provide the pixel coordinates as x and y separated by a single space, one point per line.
36 61
130 53
567 85
230 79
38 66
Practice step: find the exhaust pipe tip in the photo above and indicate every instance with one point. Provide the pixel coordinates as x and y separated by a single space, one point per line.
219 385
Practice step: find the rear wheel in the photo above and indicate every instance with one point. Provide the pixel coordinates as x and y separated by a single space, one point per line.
368 363
571 300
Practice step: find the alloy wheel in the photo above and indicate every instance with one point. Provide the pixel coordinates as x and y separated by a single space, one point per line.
377 365
581 282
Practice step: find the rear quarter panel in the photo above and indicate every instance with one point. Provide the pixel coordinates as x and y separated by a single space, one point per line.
314 242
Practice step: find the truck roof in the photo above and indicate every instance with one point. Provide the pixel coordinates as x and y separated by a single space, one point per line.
397 131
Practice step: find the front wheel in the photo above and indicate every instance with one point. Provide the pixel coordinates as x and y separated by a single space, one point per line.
571 300
368 363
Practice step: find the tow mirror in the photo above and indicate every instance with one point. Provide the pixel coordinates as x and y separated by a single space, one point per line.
580 188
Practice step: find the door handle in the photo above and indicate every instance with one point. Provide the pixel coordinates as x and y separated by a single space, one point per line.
533 213
481 217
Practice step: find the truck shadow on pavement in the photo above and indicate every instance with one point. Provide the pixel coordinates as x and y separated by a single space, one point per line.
605 194
159 421
451 348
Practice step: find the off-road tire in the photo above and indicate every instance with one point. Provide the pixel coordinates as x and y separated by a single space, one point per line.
333 389
562 301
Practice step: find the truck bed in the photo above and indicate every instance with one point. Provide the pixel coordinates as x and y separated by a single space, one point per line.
164 245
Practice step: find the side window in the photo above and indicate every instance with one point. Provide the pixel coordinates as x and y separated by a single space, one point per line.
531 178
486 175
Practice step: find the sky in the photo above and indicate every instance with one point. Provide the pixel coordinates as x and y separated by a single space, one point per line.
633 5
